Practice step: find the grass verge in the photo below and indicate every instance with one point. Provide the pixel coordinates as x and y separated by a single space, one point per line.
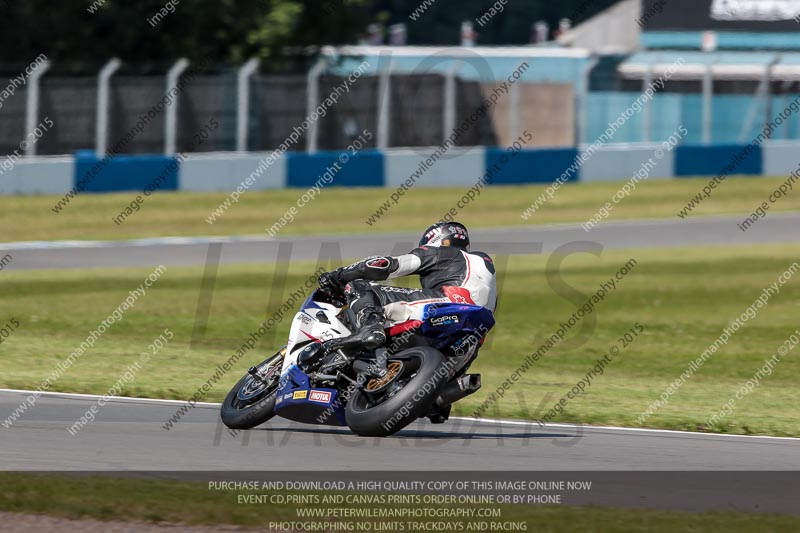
346 210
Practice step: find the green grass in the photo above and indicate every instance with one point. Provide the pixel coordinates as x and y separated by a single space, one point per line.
193 503
683 298
344 210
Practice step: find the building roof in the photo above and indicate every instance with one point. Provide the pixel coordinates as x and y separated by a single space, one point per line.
723 65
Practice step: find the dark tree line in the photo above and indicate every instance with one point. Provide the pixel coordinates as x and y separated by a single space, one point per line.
80 35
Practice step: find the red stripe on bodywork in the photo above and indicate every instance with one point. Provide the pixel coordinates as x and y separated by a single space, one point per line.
402 327
310 337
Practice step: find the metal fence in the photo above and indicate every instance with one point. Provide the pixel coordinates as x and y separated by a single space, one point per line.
128 114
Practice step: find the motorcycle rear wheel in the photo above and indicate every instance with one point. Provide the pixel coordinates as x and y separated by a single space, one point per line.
412 401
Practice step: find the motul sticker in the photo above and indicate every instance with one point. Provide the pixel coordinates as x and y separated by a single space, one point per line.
320 396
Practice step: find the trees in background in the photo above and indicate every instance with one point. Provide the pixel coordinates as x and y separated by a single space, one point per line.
80 35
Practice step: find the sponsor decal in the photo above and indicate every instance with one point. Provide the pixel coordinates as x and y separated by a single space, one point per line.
753 10
378 262
279 400
304 318
458 233
403 290
320 396
433 237
444 320
300 394
287 395
459 295
466 345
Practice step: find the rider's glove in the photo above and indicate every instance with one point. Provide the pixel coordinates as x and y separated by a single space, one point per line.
332 282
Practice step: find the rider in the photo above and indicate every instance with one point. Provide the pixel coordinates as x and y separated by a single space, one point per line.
448 271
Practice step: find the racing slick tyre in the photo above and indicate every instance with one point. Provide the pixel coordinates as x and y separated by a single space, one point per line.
251 402
407 392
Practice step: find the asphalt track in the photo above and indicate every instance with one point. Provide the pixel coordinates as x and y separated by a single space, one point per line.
700 231
128 434
626 467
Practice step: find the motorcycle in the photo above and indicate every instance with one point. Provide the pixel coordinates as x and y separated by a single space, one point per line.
319 378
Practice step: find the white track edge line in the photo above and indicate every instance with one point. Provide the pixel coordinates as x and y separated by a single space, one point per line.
482 420
126 399
620 428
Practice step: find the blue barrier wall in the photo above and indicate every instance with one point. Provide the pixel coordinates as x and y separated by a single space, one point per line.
221 171
364 169
125 172
700 160
530 166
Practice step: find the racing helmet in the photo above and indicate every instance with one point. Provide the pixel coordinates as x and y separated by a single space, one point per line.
446 234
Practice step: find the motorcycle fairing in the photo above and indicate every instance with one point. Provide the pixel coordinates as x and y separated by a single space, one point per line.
297 400
448 324
445 325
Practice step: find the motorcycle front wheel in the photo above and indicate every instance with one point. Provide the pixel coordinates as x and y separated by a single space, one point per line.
251 402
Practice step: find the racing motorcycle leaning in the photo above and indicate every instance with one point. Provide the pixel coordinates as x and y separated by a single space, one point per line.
320 377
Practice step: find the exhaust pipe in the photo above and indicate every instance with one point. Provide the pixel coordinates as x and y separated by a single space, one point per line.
458 389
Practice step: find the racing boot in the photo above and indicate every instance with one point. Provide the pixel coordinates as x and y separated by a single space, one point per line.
369 336
369 319
370 332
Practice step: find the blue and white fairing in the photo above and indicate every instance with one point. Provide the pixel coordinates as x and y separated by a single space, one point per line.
456 329
295 398
316 322
457 326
